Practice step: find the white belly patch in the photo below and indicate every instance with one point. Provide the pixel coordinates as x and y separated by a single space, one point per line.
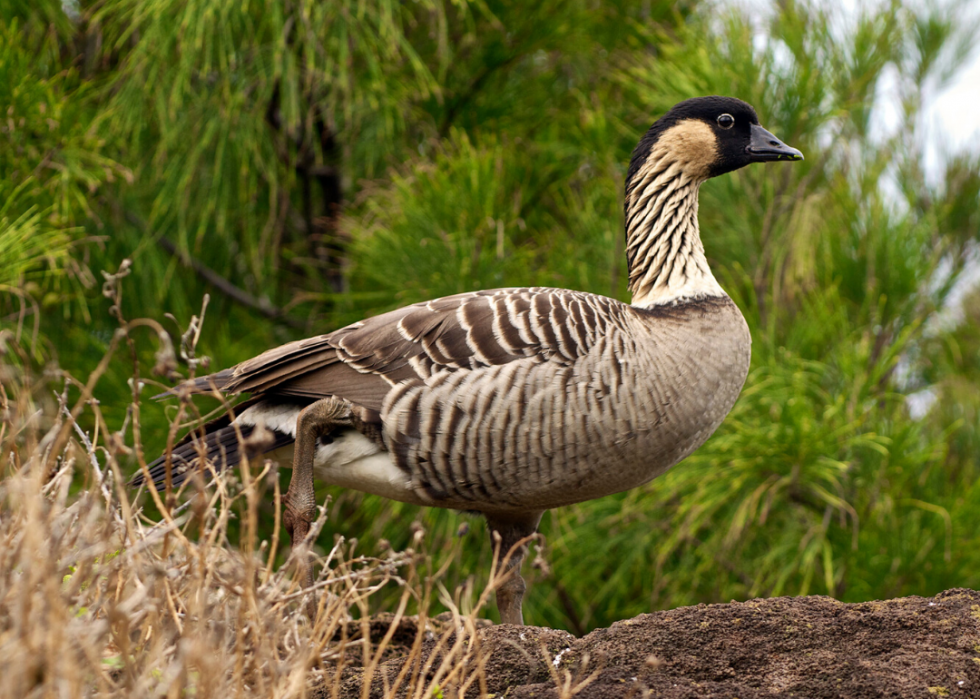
351 460
354 461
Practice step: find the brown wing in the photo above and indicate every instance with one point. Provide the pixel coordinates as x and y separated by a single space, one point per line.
364 361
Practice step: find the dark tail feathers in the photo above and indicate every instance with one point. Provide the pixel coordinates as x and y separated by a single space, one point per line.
222 449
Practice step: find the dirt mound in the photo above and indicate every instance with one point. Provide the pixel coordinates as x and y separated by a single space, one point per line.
787 646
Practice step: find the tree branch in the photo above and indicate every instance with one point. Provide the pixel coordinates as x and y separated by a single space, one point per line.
235 293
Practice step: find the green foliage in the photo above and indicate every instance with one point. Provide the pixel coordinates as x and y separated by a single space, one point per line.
339 159
26 244
469 210
52 167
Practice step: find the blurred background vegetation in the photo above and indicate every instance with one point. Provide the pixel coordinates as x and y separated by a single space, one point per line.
307 163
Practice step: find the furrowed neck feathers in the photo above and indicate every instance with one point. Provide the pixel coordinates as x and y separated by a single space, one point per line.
663 242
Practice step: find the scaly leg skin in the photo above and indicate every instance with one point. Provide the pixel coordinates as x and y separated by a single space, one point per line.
315 421
511 529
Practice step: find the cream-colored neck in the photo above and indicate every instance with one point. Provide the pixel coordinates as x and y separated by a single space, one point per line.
663 242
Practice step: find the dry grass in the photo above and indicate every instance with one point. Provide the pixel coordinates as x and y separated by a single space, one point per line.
97 599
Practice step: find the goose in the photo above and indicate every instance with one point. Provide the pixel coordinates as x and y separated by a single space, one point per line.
510 402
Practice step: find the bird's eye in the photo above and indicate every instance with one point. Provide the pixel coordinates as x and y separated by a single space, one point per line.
726 121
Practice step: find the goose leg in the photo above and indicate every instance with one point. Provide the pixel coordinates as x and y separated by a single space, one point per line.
511 529
315 421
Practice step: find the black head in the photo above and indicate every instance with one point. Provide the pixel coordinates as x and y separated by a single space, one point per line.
710 136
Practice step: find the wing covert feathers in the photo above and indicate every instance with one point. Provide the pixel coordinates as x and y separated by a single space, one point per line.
363 362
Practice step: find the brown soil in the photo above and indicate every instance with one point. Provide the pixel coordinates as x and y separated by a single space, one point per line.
783 647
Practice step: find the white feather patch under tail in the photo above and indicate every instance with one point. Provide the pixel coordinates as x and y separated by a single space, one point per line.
350 460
